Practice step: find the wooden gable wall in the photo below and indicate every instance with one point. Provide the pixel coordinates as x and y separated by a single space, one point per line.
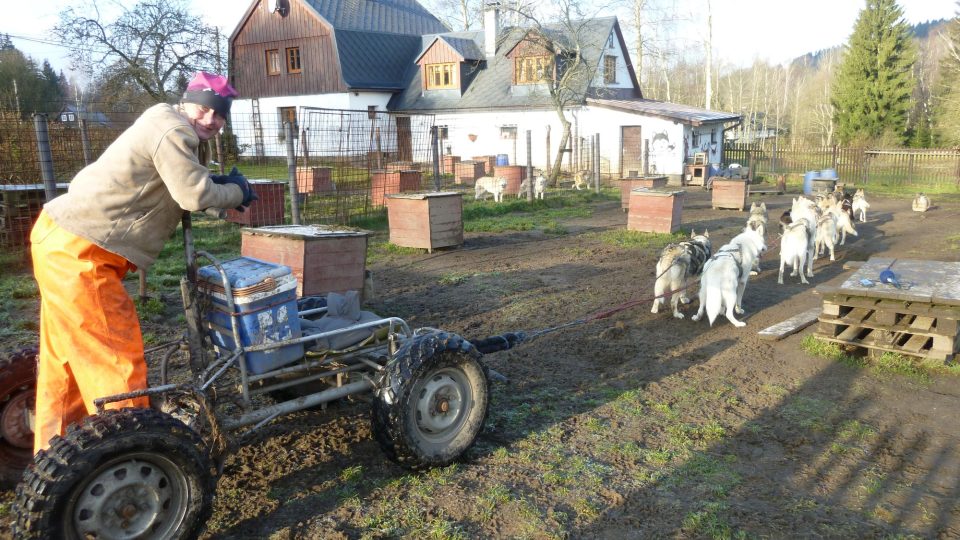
263 30
440 52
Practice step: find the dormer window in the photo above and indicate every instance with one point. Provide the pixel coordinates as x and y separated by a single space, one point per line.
533 69
440 76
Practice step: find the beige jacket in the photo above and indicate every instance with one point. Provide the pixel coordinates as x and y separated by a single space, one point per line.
130 200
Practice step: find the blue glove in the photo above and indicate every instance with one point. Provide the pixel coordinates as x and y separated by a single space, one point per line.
239 180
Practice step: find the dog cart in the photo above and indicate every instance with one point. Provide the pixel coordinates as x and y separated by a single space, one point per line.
254 353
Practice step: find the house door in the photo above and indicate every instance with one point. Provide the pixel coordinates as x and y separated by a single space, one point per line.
631 151
404 139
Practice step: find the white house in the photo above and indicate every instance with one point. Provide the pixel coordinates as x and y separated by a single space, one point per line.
298 59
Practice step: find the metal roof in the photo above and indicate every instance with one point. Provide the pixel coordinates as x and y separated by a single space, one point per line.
687 114
488 81
391 16
374 60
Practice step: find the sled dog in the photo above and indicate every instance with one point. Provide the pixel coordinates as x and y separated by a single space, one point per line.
582 179
725 277
488 184
793 248
844 225
860 205
921 203
678 266
807 210
758 222
826 236
539 187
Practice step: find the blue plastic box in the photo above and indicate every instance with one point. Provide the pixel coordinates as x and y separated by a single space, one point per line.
265 296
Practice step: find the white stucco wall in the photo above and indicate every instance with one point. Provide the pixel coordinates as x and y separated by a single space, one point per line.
241 117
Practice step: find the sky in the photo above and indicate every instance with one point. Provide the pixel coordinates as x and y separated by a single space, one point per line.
743 30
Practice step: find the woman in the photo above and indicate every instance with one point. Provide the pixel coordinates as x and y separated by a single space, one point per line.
116 216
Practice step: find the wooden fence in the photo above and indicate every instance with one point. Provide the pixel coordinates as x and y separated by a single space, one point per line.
920 167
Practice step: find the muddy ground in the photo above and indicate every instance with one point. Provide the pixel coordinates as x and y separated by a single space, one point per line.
635 426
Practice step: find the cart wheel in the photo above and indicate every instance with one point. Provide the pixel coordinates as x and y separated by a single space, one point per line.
18 384
130 473
432 404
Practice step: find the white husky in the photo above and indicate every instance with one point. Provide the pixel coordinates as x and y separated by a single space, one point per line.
793 248
921 203
807 210
725 277
826 237
758 222
860 205
539 187
488 184
844 224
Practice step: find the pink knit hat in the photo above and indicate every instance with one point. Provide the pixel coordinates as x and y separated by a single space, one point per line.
211 90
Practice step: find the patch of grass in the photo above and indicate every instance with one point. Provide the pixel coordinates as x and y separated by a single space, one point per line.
491 499
378 251
808 413
710 522
898 364
149 308
707 474
887 363
456 278
622 238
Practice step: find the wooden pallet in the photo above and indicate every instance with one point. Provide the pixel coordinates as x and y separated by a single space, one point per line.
920 329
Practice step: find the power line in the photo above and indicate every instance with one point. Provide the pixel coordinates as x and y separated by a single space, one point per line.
57 43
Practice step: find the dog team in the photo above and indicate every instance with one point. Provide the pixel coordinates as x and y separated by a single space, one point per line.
809 229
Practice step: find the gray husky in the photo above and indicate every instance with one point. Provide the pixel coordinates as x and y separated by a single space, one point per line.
679 264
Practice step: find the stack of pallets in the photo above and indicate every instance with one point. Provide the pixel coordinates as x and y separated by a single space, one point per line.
920 319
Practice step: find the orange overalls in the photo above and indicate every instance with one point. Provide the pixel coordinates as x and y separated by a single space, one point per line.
90 341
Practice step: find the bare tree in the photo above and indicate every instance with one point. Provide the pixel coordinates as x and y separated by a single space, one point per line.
151 44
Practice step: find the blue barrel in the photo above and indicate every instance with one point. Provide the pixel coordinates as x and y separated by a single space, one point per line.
808 181
503 160
829 174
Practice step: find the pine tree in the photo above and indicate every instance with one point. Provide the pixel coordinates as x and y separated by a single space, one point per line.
946 99
874 85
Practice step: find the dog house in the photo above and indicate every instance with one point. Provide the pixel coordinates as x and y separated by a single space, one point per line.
488 163
468 171
425 220
655 210
628 184
729 192
314 180
322 259
450 164
266 210
514 174
383 183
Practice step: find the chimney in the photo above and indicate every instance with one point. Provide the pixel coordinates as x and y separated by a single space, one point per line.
491 27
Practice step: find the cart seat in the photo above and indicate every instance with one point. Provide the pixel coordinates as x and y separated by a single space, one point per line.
343 312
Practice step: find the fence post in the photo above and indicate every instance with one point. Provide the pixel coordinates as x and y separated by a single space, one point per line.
45 157
646 161
596 160
435 150
292 174
529 166
85 142
219 147
773 158
546 163
836 163
379 150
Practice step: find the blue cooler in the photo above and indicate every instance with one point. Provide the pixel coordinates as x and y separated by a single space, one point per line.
265 296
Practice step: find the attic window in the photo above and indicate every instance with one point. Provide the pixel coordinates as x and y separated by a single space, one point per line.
440 76
273 62
293 60
532 69
609 69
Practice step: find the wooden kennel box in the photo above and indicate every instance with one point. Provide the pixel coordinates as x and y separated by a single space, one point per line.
919 319
655 210
729 192
468 171
425 220
323 259
628 184
514 175
266 210
314 180
383 183
449 164
488 163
